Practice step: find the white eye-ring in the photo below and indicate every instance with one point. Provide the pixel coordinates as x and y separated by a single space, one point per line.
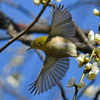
34 42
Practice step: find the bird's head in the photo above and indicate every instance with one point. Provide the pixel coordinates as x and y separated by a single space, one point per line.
38 43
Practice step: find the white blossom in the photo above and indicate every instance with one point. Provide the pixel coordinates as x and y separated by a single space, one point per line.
36 2
88 66
94 39
90 34
96 12
95 68
81 84
97 36
94 71
12 81
91 75
91 37
15 79
81 59
58 0
71 82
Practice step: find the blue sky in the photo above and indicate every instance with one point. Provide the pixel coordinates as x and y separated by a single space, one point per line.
83 16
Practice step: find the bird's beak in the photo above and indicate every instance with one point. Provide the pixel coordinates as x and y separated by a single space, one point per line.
28 48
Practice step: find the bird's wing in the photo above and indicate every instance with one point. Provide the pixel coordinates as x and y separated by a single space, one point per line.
52 71
62 24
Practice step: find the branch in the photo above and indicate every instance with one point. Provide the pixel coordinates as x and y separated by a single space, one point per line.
26 30
79 39
4 38
97 95
5 21
62 91
84 46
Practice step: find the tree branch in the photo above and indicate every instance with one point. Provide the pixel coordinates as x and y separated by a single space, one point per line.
84 44
97 95
25 31
62 91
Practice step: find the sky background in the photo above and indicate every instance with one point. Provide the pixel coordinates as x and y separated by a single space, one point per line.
32 64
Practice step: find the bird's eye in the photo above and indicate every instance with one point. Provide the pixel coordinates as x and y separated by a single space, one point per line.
34 42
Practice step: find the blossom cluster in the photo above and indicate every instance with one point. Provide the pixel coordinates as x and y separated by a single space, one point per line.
94 70
37 2
72 82
82 59
91 64
91 69
94 39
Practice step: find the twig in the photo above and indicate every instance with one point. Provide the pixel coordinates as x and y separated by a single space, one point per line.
38 28
4 38
79 39
96 96
25 31
62 91
87 47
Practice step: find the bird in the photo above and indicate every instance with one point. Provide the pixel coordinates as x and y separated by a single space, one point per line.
57 48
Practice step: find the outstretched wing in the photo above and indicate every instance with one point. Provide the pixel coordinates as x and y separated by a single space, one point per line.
52 71
62 24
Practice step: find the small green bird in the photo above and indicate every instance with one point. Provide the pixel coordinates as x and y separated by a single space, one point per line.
57 48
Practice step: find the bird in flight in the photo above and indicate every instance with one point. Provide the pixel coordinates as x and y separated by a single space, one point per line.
57 48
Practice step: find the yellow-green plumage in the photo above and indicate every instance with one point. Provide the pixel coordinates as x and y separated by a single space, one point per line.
57 48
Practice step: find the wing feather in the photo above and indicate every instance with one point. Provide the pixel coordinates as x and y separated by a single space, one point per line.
62 24
52 72
50 80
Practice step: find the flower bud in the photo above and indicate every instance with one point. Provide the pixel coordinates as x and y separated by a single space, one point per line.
36 2
91 37
88 66
91 75
97 59
95 12
71 82
81 84
86 59
58 0
94 71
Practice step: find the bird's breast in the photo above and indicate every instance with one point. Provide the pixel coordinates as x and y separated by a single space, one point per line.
60 47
